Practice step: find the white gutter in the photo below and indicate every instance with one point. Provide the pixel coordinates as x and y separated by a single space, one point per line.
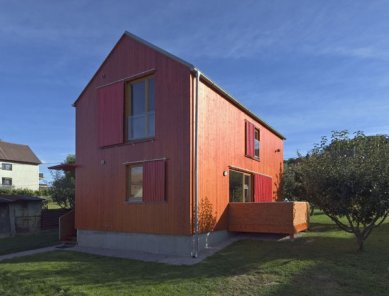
195 240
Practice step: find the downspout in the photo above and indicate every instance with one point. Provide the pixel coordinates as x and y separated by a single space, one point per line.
195 241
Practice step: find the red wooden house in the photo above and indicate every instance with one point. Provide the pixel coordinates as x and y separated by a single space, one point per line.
168 162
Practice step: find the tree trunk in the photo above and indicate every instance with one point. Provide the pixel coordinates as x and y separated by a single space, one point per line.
360 242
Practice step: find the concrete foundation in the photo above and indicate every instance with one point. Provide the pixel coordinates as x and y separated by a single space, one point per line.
175 245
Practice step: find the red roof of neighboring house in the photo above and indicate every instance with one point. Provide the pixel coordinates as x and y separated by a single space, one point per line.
17 153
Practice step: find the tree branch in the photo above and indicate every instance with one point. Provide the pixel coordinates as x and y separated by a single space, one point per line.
383 219
340 224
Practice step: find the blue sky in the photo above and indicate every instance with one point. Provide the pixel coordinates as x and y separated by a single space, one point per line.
305 67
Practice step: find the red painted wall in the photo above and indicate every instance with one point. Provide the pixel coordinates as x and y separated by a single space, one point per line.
262 188
110 114
222 145
154 181
101 173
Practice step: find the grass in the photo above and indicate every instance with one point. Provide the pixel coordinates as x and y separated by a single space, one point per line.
322 262
28 242
51 205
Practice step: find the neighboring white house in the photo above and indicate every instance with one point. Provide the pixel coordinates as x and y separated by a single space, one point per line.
19 166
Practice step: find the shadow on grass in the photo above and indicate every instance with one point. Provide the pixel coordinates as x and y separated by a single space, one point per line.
310 265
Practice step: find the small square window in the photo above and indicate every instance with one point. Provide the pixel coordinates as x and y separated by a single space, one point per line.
6 166
135 182
6 181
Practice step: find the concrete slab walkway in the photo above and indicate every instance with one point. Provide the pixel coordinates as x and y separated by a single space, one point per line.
176 260
148 257
28 253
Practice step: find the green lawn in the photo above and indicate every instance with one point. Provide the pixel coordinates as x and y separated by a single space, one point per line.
28 242
323 262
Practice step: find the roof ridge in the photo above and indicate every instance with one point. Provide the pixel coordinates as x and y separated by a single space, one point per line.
191 67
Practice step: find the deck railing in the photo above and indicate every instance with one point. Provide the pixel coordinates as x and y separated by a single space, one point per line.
269 217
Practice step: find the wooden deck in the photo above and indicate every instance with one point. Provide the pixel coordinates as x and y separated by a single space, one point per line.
269 217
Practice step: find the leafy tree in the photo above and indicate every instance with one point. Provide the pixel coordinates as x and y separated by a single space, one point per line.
348 178
291 184
63 187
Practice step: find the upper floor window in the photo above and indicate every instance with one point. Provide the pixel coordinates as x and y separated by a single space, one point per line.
253 141
256 143
139 109
6 166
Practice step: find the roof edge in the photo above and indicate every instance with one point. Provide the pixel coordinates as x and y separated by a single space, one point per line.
21 162
144 42
192 68
98 69
240 105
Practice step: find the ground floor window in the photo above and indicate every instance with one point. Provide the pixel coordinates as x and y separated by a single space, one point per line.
6 181
135 182
146 181
240 187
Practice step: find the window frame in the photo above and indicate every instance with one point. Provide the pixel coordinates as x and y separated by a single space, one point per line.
129 183
6 178
128 110
257 132
4 166
250 190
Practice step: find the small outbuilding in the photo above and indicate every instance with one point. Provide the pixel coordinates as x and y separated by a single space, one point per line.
19 214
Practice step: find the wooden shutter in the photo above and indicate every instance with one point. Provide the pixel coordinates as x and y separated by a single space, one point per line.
110 114
262 188
250 131
154 181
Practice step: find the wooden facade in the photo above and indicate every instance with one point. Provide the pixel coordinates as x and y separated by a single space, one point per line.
101 187
101 171
222 138
269 217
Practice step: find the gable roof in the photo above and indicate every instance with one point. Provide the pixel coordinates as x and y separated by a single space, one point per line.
191 68
17 153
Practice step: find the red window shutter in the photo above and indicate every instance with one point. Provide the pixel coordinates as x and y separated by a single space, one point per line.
110 114
154 181
262 188
250 130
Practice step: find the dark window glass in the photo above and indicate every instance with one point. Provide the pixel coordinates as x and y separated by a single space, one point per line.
6 166
151 95
138 98
240 187
256 143
6 181
140 109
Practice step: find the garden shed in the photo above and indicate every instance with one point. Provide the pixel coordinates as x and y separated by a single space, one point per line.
19 214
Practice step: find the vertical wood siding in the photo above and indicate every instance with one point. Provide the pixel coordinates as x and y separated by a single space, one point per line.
262 188
110 114
101 172
154 181
222 144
